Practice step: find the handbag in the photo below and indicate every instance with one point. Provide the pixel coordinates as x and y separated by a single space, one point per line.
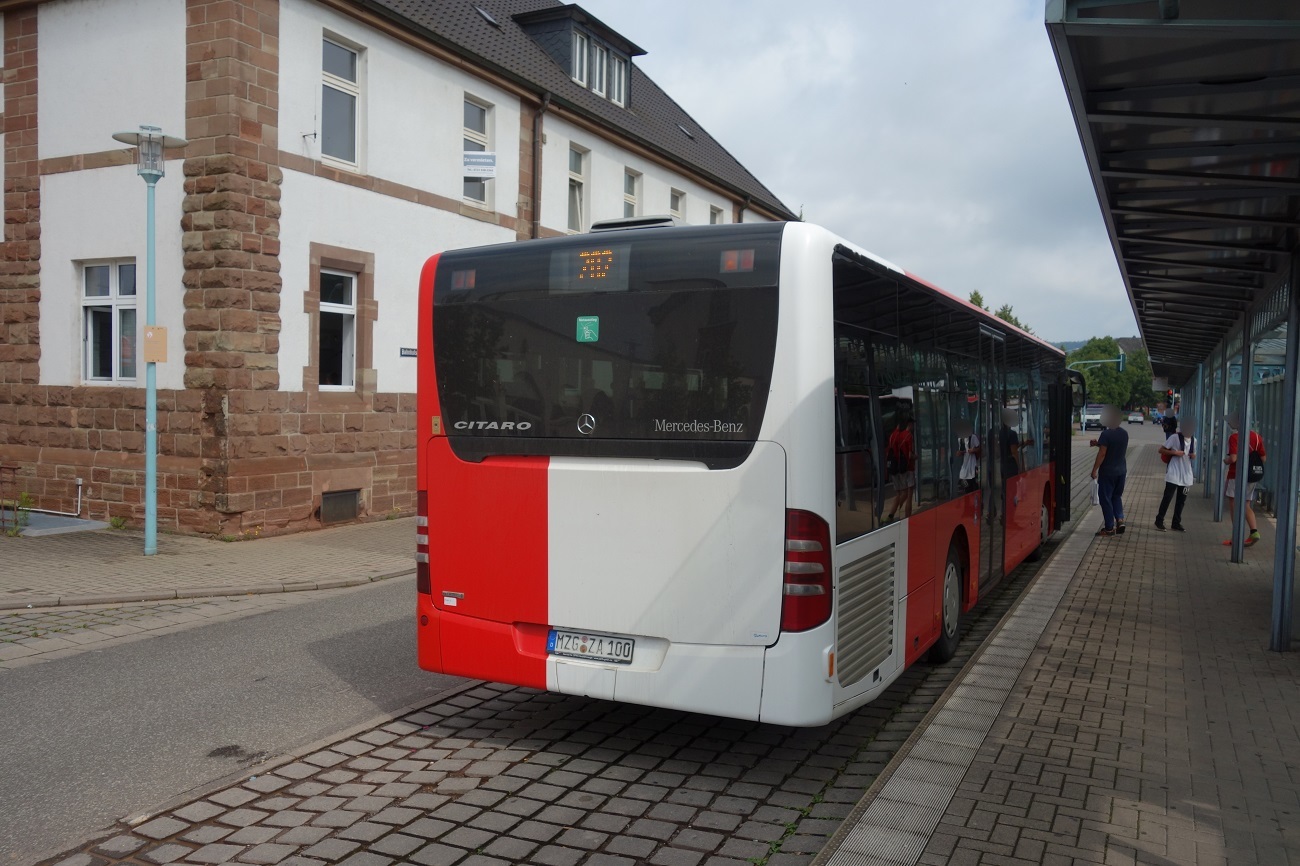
1096 492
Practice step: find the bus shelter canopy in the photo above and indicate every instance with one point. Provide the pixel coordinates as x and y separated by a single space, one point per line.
1189 115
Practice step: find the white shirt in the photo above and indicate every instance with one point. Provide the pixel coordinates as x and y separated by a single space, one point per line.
970 463
1179 470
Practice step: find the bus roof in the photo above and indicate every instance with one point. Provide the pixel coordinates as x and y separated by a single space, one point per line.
929 287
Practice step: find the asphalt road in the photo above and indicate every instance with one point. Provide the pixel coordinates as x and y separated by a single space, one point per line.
92 738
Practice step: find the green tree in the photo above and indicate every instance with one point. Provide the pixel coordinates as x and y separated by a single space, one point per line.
1006 314
1138 371
1106 384
977 299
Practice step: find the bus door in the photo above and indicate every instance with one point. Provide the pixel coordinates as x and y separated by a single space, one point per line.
993 362
1065 397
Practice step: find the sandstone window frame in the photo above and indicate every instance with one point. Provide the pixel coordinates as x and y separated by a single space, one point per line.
361 265
112 307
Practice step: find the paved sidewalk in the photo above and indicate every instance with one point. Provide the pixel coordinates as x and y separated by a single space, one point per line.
1134 715
108 566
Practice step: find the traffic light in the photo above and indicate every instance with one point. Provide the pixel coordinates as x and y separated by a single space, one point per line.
1122 359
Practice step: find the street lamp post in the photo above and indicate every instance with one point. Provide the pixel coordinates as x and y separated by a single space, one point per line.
149 143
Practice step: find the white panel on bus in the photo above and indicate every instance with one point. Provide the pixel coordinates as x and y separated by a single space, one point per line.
667 548
592 681
718 680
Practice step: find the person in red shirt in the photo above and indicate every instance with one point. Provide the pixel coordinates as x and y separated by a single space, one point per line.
901 452
1255 444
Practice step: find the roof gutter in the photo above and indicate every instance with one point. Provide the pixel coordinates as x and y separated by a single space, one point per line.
537 164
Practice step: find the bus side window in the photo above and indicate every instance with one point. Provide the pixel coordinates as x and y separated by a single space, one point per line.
856 469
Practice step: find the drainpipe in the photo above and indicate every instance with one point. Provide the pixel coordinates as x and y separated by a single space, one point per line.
537 164
744 206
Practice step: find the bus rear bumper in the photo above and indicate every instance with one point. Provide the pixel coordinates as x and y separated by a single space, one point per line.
797 679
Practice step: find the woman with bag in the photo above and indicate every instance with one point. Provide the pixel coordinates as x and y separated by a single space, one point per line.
1254 472
1178 452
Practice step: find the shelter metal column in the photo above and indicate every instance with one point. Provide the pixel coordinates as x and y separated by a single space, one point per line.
1243 441
1287 453
1220 410
1198 420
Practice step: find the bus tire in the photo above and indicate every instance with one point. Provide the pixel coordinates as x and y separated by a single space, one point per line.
950 605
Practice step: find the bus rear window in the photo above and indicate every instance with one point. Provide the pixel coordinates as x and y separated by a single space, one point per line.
626 343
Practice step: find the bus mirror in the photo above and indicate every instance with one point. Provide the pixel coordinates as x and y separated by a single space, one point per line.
1078 388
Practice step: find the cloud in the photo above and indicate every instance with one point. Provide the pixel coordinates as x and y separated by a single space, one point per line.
936 135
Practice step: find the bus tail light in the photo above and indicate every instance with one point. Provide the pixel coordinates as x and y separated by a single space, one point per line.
806 590
423 582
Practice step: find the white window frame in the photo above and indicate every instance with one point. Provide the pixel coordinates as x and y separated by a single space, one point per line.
599 69
680 196
351 88
618 78
485 140
115 302
581 57
632 197
578 183
715 215
349 347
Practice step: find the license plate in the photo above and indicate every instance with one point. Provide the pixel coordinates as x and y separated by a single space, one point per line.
597 647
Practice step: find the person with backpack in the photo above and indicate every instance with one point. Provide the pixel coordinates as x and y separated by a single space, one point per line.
1178 452
900 461
1256 455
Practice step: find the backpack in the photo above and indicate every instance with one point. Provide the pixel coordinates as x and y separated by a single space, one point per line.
1255 463
1182 446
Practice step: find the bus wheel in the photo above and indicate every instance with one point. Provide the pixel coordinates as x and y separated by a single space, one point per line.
946 646
1044 530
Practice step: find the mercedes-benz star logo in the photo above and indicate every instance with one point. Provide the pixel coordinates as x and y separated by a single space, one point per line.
586 423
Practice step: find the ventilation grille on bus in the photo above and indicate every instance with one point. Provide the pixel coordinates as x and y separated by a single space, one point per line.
866 615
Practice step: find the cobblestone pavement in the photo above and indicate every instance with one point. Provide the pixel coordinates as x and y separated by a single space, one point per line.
497 775
45 634
1150 725
109 566
501 775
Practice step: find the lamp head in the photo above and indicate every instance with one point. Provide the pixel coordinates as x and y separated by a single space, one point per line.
149 143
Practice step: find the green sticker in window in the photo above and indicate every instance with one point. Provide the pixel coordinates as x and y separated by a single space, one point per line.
588 329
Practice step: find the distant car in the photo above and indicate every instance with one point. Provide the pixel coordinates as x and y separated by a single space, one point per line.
1136 418
1092 417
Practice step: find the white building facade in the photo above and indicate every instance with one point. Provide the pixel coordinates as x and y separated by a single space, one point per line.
333 147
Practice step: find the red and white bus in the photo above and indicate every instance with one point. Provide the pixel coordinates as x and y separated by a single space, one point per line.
652 467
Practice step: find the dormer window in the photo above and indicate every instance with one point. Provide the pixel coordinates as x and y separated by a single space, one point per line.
580 52
593 54
618 81
599 69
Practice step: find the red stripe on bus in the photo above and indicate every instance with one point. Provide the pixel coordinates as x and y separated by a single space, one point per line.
488 552
487 544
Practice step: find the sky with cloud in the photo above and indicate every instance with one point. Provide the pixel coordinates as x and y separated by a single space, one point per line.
935 134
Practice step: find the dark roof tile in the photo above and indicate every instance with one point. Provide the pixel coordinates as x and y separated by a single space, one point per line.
652 117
